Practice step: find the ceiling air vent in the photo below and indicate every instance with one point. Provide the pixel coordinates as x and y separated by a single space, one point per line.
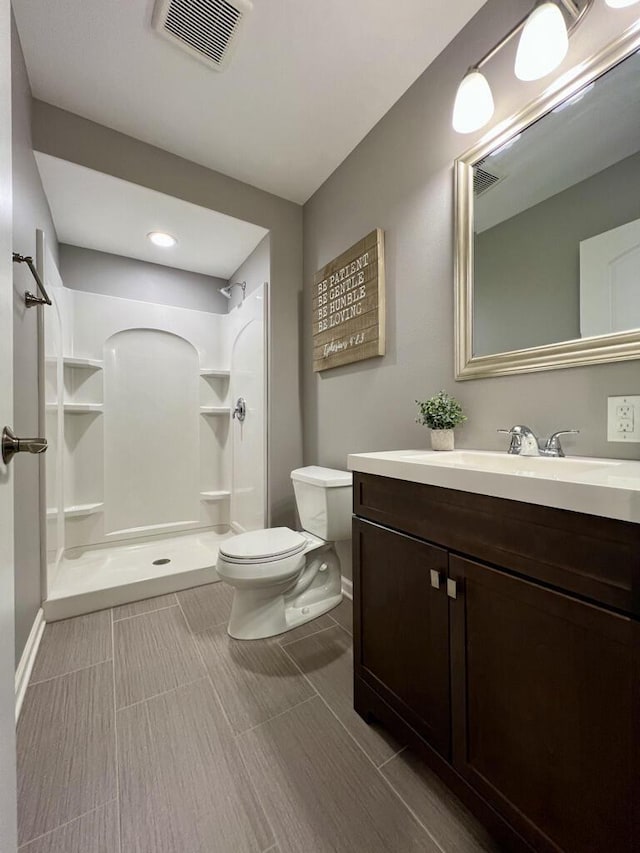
483 180
205 29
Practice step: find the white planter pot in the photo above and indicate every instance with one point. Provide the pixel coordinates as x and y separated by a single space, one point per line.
442 439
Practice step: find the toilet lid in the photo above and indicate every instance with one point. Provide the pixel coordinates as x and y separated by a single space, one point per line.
263 545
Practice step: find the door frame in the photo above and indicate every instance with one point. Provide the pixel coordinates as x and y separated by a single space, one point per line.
8 819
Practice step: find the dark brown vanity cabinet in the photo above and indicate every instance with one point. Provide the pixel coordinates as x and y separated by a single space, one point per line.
522 694
404 639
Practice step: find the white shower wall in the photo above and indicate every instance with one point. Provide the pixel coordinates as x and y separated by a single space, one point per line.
138 459
145 466
54 530
151 432
249 322
139 398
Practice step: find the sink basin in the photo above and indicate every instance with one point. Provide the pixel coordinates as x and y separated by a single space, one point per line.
603 487
524 466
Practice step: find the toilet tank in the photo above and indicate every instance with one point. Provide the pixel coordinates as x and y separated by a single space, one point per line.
324 501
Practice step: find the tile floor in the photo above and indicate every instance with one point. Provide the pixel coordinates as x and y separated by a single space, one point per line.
146 729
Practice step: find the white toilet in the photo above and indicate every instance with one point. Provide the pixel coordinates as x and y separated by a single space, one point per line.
282 578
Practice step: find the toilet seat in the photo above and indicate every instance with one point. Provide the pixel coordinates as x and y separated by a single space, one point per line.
263 546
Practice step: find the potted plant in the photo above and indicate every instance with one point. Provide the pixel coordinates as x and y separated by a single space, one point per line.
442 414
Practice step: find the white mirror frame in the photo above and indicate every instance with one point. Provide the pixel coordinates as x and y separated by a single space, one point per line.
621 346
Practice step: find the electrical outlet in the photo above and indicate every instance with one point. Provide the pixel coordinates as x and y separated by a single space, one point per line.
623 421
624 411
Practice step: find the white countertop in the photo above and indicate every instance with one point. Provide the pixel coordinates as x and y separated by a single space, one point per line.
602 487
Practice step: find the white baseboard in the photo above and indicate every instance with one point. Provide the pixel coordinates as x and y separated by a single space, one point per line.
347 588
23 672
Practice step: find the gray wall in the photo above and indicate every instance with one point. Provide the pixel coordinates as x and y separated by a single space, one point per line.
30 211
114 275
65 135
527 268
255 271
400 178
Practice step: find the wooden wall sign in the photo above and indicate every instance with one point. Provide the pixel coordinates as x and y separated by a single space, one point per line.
348 305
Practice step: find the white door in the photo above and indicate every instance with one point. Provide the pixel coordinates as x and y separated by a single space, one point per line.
7 670
610 281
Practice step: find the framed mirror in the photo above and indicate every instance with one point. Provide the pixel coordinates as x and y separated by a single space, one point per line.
548 228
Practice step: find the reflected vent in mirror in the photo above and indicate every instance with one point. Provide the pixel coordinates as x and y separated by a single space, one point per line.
206 29
483 180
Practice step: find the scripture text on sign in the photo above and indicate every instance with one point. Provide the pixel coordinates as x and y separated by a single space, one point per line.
348 305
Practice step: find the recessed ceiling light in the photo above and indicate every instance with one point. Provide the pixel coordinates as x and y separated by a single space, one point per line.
161 238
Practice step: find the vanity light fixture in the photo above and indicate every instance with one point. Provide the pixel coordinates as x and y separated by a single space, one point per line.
161 238
544 41
543 44
474 103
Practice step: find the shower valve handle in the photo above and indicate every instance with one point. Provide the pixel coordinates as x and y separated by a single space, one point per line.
240 411
11 445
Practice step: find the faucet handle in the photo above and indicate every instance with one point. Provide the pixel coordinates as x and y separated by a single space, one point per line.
516 440
553 442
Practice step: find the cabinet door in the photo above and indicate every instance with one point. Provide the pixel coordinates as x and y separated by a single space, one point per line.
402 627
546 710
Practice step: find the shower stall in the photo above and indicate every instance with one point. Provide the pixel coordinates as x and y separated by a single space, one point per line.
150 462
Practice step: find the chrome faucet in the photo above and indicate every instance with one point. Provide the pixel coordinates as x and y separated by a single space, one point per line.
525 443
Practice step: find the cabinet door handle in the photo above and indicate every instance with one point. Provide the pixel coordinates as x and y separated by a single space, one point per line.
452 588
435 578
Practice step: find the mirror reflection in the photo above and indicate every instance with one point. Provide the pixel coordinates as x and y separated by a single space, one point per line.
557 223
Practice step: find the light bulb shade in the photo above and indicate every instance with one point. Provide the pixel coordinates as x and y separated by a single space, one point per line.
474 105
620 4
543 44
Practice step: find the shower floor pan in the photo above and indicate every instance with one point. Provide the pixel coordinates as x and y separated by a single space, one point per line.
91 579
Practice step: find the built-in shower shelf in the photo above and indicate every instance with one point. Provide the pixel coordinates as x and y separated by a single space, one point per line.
214 496
215 374
82 363
77 511
215 410
83 408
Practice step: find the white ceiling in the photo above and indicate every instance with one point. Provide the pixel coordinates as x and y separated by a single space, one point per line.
308 80
97 211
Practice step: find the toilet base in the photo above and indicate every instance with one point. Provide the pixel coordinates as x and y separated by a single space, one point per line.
294 616
262 612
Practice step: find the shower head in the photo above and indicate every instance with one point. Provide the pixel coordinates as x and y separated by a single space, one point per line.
226 290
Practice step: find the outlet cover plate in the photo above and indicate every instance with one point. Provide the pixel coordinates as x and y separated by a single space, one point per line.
623 429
